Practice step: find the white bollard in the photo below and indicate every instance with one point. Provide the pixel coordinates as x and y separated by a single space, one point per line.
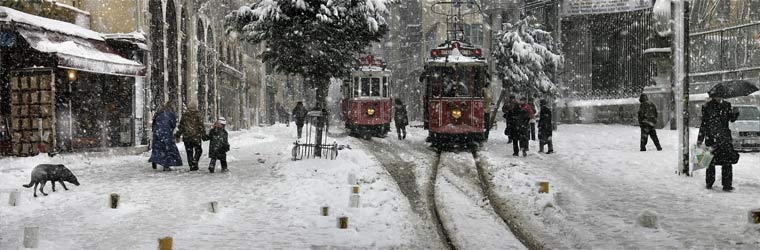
30 237
351 179
354 200
13 198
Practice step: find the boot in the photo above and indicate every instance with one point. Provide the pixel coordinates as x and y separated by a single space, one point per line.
154 165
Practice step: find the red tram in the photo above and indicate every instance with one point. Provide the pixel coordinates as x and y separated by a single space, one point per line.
366 104
454 78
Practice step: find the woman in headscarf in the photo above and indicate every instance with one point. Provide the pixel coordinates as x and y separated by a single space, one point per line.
164 151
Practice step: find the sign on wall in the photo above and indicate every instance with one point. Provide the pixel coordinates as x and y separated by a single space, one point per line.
586 7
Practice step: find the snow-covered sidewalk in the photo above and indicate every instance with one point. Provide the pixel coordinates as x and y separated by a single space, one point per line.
266 201
601 184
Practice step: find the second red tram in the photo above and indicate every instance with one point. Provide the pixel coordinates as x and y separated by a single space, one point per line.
366 103
454 77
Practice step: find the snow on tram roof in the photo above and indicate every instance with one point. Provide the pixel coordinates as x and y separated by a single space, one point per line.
371 68
455 57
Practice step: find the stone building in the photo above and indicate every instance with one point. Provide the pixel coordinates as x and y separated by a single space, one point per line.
63 86
189 60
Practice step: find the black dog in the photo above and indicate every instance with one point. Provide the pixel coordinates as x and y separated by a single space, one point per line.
51 172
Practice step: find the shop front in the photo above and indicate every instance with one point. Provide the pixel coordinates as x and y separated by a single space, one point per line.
62 88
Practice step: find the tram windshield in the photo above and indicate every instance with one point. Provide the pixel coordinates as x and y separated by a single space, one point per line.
466 81
368 87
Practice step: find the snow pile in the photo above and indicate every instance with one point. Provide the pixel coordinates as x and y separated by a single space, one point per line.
648 219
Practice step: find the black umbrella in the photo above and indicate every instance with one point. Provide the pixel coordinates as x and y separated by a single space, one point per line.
729 89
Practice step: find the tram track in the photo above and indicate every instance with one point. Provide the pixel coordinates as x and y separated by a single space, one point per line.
463 176
458 183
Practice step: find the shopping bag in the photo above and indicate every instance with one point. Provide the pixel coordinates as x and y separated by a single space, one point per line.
701 157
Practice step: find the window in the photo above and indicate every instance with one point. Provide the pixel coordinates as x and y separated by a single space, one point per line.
456 82
375 87
385 86
474 33
356 91
365 87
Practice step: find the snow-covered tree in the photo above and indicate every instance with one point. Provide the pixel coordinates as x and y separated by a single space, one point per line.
317 39
527 59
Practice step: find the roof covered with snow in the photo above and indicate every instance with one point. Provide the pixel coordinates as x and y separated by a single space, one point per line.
11 15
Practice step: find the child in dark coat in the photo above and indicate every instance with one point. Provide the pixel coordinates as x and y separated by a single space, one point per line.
219 146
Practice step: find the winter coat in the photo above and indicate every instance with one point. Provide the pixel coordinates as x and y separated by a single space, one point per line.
487 99
299 115
532 110
647 114
164 151
545 123
715 133
509 112
399 115
219 146
520 121
191 127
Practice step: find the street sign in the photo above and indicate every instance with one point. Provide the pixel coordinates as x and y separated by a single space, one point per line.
588 7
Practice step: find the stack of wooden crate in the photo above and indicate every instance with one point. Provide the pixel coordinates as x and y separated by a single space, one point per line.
32 111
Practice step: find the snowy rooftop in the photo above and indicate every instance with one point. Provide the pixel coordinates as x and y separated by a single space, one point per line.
11 15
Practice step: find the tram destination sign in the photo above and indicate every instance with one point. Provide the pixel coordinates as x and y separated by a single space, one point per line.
586 7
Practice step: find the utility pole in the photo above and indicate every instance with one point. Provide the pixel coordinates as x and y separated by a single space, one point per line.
681 82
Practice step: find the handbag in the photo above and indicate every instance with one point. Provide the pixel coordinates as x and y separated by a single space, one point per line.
734 156
701 158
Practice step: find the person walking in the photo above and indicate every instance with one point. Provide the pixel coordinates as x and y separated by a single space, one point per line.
545 128
532 104
401 119
487 102
519 128
299 115
218 145
525 124
647 122
191 131
164 150
508 109
715 133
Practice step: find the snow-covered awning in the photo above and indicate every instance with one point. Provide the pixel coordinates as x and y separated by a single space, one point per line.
75 47
82 54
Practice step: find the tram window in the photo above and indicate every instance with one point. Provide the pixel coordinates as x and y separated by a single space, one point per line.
478 81
356 87
385 86
365 86
375 87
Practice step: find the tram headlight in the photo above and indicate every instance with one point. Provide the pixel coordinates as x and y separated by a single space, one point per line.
456 113
370 111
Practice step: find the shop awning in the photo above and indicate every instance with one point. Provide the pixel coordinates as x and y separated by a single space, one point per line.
82 54
75 47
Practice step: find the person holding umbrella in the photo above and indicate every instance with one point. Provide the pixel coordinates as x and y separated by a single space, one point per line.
715 133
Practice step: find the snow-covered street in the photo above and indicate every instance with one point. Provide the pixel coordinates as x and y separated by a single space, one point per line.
266 201
600 184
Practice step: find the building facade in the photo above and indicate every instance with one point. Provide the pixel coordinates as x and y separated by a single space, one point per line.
187 60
